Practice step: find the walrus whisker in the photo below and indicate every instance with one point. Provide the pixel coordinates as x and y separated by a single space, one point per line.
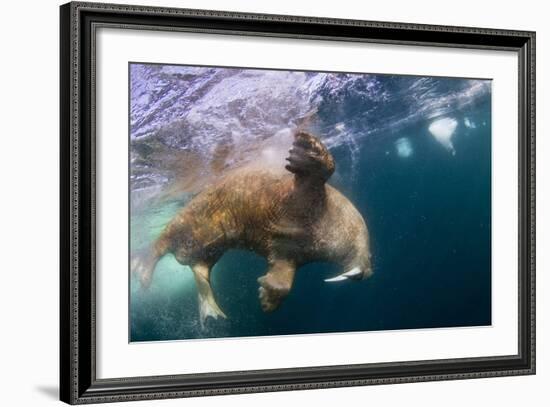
353 273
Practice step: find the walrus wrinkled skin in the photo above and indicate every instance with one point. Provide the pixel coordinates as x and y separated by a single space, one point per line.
290 217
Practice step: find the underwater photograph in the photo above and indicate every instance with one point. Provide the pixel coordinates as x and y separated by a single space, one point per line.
281 202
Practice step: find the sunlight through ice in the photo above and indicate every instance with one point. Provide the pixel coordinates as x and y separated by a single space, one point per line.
442 130
403 147
469 124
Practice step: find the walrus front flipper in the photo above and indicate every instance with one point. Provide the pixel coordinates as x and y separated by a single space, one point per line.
207 303
309 159
276 284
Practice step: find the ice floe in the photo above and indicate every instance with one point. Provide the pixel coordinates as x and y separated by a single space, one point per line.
442 130
469 123
403 147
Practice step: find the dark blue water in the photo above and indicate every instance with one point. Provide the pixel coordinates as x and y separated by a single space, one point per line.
428 210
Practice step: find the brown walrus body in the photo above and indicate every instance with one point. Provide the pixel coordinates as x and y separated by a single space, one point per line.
291 217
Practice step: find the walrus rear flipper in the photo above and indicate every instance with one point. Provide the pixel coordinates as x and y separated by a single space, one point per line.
309 159
142 265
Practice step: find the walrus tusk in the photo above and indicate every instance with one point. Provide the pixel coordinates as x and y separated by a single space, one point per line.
354 272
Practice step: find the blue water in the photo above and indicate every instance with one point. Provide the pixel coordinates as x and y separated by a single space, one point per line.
427 205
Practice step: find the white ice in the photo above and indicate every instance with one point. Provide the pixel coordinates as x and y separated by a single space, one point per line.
442 130
403 147
340 126
469 124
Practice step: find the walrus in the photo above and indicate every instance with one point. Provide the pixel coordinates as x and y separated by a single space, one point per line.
290 216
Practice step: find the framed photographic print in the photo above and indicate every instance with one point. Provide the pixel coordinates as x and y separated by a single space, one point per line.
257 203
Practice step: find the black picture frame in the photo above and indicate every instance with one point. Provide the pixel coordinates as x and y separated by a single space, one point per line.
78 382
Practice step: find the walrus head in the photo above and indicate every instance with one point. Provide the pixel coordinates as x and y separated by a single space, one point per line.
357 264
